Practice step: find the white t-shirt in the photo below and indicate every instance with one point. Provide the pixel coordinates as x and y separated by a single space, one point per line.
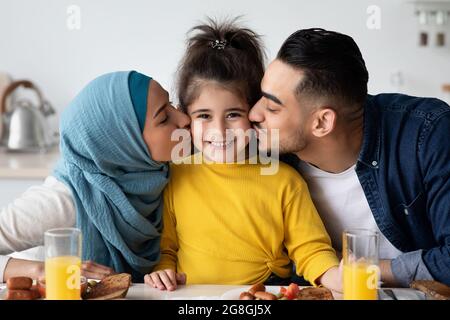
341 203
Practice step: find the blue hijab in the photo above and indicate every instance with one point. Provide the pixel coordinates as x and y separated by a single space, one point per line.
116 186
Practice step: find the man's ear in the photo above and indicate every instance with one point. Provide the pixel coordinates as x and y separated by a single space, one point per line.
324 122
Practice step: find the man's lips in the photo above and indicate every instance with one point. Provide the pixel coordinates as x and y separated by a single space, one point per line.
259 130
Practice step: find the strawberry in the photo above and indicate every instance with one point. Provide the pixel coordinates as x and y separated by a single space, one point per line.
292 291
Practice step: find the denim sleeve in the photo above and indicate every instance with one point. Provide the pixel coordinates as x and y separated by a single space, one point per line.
434 156
408 267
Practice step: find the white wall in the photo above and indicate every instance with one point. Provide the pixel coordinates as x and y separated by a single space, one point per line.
149 36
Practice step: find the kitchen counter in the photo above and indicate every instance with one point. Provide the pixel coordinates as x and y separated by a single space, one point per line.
15 165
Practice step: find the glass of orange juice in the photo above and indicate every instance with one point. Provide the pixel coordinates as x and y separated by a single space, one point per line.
361 271
63 264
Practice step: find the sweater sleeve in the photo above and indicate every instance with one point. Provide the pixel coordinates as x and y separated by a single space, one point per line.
169 239
24 221
307 242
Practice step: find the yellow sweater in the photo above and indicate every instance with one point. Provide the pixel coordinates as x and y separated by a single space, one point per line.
228 224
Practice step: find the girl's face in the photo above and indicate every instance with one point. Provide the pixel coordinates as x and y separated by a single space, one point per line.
219 120
161 120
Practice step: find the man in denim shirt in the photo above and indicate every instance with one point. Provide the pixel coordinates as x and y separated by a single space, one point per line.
380 162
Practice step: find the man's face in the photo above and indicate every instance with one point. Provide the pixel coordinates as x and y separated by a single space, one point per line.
279 108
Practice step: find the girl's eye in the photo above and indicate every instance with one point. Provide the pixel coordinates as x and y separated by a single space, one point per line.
203 116
233 115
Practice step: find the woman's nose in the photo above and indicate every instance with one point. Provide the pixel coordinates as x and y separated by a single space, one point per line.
183 119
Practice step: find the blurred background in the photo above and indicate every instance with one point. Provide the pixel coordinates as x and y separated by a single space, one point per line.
60 45
40 39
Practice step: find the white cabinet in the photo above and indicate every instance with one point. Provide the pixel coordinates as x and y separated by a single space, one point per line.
12 188
19 171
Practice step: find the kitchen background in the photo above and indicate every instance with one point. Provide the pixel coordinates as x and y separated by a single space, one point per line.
60 45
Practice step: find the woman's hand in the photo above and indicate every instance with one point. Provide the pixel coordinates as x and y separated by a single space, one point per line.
92 270
165 279
23 268
35 269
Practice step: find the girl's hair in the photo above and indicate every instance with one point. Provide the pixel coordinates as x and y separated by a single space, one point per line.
224 53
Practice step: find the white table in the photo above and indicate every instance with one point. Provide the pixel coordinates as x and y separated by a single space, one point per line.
208 292
144 292
215 292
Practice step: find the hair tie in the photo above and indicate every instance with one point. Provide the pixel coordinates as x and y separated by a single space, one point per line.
218 44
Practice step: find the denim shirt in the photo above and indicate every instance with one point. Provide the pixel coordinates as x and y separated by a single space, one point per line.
404 170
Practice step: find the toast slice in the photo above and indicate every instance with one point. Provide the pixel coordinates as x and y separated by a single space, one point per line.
315 294
111 287
432 289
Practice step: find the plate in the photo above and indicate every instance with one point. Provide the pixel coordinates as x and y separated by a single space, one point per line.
235 293
401 294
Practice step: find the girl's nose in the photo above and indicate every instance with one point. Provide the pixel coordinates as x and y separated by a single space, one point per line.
220 126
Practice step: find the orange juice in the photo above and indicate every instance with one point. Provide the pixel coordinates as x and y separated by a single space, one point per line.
62 278
360 281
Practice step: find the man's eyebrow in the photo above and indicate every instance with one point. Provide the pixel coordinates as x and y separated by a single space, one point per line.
271 97
160 109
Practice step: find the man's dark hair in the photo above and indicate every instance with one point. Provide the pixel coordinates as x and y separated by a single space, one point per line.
332 64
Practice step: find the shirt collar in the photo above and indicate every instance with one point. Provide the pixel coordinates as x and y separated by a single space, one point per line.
370 150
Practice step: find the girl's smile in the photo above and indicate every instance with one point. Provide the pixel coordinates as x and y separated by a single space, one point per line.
221 144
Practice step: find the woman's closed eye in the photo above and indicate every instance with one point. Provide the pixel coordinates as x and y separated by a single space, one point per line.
164 120
164 117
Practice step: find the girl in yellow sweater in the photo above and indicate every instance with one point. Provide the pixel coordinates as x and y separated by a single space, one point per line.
225 222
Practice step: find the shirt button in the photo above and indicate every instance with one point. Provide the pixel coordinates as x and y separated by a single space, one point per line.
374 163
406 211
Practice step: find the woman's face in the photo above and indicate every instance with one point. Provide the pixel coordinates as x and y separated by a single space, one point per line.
219 123
161 120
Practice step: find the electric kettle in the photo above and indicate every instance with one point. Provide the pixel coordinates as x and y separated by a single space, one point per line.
25 126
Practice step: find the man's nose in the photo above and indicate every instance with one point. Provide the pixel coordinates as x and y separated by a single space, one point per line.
256 114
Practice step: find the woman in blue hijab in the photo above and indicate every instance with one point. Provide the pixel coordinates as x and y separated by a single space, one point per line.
115 145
